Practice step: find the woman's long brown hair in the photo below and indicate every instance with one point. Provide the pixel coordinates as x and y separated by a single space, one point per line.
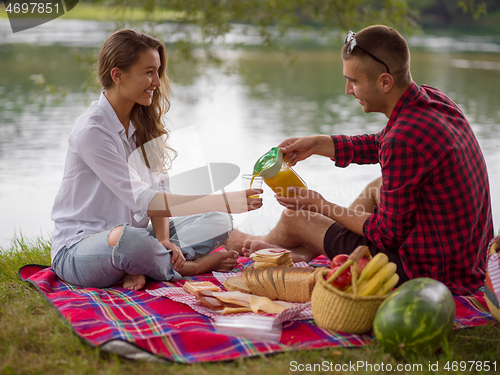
122 50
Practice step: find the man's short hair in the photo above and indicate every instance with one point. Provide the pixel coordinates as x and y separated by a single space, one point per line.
389 46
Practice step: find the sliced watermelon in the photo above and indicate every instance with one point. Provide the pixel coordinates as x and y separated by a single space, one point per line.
416 319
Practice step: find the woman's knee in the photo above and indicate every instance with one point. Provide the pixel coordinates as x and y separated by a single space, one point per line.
114 235
220 225
133 247
222 220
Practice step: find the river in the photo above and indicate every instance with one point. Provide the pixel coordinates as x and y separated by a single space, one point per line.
218 116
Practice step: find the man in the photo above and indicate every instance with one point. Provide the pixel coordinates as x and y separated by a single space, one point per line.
430 211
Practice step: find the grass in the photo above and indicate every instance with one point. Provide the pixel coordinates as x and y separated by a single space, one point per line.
35 340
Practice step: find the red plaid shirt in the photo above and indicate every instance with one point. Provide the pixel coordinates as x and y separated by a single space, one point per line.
435 199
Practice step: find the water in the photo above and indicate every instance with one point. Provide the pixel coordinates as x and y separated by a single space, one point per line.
218 117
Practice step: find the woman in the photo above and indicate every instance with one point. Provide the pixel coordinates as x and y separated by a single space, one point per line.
114 183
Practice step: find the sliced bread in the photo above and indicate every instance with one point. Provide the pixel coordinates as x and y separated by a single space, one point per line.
237 284
265 281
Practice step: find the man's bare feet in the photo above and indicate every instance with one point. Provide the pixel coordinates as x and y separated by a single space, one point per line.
134 282
236 240
220 261
251 246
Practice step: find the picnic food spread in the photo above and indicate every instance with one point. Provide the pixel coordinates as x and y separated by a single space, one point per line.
417 318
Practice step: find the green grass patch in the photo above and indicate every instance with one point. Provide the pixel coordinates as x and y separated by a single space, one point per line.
35 340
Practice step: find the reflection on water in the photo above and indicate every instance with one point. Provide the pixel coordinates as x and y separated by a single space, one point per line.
235 117
69 33
455 44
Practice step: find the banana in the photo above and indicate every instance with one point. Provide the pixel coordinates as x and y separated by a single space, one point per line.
363 284
388 285
350 290
376 282
375 264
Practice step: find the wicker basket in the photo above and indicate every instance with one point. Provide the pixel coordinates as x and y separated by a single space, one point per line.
493 306
339 311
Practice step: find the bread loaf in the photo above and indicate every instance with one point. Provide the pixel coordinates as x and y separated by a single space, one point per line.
291 284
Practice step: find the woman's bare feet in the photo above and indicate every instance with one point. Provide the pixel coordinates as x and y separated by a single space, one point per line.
220 261
134 282
251 246
237 239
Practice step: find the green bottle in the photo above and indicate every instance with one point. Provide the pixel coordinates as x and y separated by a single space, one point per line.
269 164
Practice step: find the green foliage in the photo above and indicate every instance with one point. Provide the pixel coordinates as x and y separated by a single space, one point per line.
470 6
206 23
272 19
453 12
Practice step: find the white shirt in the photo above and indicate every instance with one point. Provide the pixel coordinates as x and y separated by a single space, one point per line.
100 189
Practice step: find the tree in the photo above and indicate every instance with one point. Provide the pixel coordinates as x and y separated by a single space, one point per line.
274 18
451 10
205 23
271 19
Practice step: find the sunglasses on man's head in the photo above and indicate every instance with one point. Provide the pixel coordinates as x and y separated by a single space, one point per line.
351 40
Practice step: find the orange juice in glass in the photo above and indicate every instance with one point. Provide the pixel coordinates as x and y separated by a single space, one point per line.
250 181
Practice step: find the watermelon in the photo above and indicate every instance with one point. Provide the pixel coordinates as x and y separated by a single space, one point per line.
416 319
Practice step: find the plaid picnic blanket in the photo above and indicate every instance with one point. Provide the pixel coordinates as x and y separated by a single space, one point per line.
142 325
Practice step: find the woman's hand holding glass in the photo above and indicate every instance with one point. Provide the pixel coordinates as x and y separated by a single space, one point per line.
253 200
